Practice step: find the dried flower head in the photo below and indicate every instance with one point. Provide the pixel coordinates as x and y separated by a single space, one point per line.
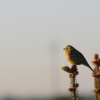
70 75
98 74
77 85
95 75
95 56
94 61
77 99
98 60
76 73
97 90
70 89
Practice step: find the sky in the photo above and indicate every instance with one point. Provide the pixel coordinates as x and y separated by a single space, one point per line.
33 34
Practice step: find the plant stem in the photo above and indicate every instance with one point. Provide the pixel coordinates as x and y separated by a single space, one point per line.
74 87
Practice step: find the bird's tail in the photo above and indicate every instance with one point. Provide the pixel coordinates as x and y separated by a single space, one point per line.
91 68
86 64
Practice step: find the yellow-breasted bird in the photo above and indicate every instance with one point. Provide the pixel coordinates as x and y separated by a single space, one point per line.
75 57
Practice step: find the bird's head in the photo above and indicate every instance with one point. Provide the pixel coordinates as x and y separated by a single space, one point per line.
68 49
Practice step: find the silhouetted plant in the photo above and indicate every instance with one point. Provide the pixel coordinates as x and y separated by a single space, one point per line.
96 75
73 83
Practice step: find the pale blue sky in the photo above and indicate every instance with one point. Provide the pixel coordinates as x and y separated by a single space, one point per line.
28 28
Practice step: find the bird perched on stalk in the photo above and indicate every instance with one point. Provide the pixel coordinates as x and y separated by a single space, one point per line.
75 57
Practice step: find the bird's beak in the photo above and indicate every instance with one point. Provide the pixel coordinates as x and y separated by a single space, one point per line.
63 48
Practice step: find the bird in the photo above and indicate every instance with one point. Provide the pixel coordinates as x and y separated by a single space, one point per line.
75 57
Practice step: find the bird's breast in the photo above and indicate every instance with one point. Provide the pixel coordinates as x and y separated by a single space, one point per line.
70 59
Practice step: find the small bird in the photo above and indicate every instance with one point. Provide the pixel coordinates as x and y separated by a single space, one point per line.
75 57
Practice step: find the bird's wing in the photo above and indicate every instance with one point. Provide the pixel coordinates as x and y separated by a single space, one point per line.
84 61
79 58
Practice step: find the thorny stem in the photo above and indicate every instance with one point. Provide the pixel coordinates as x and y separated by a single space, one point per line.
74 93
96 83
96 63
74 87
97 80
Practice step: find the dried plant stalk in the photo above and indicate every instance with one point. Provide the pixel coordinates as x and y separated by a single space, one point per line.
96 76
73 84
